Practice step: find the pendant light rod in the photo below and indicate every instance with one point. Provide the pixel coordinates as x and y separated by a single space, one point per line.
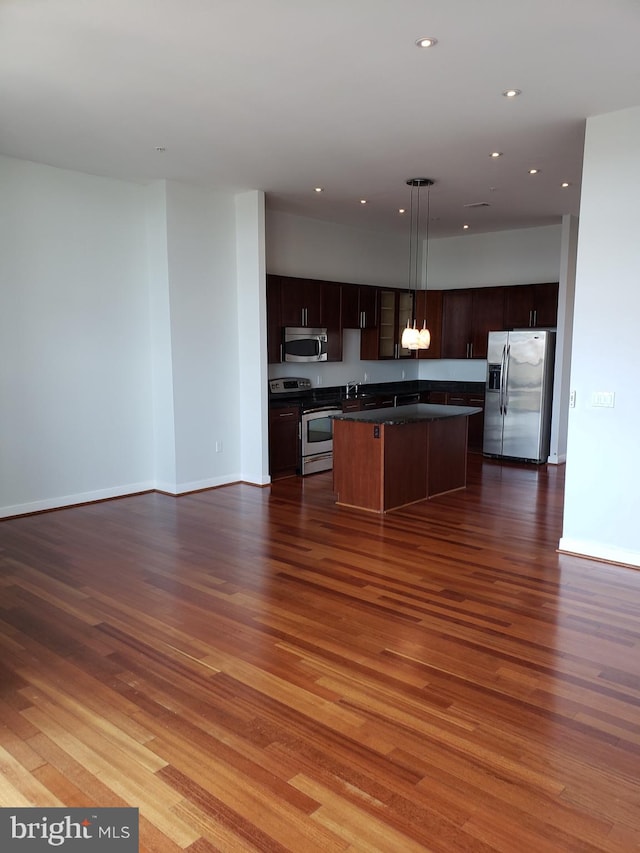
412 338
414 234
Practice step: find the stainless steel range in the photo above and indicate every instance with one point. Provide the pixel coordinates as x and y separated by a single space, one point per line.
316 426
316 436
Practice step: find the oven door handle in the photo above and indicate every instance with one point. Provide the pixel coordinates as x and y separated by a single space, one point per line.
322 409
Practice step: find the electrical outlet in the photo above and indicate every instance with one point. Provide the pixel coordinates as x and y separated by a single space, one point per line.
366 377
403 374
572 400
218 447
318 380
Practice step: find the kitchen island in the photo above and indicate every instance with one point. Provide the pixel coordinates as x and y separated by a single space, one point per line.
384 459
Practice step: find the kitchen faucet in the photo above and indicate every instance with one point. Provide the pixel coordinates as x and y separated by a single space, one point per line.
351 386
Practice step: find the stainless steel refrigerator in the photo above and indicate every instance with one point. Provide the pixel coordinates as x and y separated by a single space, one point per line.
517 414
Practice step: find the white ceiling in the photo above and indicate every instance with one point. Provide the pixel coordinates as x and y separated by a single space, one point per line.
286 95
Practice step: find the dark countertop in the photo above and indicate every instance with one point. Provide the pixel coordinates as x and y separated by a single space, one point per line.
336 394
408 414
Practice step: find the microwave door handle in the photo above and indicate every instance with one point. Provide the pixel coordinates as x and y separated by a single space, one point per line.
319 342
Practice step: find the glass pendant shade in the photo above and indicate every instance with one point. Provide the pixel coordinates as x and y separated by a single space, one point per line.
410 336
424 337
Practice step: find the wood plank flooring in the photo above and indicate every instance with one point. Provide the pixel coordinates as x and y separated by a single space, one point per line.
260 670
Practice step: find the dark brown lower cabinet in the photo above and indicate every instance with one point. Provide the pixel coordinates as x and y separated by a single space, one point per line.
476 422
284 442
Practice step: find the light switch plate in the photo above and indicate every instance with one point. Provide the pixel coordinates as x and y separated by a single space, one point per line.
605 399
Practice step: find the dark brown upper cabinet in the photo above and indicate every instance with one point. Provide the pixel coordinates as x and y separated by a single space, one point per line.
395 307
467 318
531 306
359 306
300 302
274 319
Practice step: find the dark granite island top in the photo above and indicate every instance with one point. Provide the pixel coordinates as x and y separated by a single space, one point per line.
408 414
384 459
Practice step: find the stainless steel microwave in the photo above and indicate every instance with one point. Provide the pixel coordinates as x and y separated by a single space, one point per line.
302 344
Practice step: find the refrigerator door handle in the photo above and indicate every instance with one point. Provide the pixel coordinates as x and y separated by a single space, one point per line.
502 371
506 378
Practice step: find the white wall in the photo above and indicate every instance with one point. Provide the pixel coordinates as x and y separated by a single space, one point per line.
119 350
75 367
164 434
204 345
603 466
252 333
311 248
526 256
564 340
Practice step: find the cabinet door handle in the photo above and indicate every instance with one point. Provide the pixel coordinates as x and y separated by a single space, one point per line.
286 415
471 350
535 316
363 319
530 317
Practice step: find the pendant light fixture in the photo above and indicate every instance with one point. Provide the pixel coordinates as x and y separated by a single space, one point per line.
412 337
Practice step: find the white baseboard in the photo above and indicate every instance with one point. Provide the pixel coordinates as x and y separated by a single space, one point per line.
122 491
80 498
599 551
200 485
557 459
210 483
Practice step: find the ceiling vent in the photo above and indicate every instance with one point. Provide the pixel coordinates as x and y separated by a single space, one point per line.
478 204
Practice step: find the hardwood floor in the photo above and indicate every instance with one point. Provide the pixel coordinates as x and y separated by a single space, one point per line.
260 670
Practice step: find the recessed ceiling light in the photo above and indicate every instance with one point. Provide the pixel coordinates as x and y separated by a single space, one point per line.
402 210
363 201
565 184
512 93
319 189
465 227
534 171
426 41
495 154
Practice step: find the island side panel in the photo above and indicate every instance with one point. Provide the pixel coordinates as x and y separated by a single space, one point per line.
447 455
357 464
405 464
